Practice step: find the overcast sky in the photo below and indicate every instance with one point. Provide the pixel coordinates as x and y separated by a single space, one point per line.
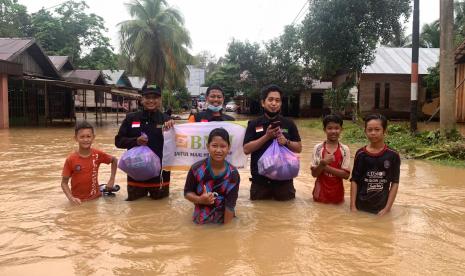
213 23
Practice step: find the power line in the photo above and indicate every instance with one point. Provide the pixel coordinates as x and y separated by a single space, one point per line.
54 6
305 4
300 17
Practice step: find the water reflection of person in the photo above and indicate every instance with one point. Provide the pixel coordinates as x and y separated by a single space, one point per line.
150 121
259 135
215 100
350 239
213 184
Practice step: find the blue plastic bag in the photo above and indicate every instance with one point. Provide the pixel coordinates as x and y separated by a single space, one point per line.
140 163
278 163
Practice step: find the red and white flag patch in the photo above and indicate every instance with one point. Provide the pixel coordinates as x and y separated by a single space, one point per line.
259 129
135 124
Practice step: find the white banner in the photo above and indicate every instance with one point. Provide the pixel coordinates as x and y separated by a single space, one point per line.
186 144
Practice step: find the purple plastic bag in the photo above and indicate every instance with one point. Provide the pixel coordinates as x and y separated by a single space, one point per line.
278 163
140 163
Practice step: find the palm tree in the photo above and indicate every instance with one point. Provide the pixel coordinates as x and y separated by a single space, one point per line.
429 37
398 38
156 42
459 22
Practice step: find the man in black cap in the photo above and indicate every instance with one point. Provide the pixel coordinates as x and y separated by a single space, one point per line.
152 122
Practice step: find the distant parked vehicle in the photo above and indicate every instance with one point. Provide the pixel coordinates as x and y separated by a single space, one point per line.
232 106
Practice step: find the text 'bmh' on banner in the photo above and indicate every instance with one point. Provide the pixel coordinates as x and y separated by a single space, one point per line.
186 144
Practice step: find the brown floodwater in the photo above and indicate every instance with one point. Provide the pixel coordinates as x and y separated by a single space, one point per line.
41 233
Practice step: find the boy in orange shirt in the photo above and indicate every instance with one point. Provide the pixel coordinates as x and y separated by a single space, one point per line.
82 167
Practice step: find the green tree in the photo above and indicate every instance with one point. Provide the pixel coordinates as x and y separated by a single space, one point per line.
247 67
176 100
338 99
156 42
459 22
287 64
183 96
251 64
341 34
398 38
69 30
14 19
100 58
48 31
242 69
432 80
228 77
429 36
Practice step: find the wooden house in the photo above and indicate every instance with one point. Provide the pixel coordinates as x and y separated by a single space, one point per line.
384 85
31 91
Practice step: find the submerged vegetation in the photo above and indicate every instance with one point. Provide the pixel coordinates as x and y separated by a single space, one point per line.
427 145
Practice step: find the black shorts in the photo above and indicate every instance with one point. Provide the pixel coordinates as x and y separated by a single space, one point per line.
161 188
154 193
265 188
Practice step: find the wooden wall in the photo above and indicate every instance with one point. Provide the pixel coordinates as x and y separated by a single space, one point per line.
29 64
460 92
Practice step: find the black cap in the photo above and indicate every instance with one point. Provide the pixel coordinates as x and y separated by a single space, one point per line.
151 89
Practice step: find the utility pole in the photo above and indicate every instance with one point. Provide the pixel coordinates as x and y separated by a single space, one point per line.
446 68
414 77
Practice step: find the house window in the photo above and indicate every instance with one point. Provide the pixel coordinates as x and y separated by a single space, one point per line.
428 95
80 95
387 91
316 101
377 94
98 97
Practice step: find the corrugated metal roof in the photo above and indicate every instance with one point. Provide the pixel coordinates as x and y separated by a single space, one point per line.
398 61
112 76
18 49
91 75
12 47
316 84
58 61
137 82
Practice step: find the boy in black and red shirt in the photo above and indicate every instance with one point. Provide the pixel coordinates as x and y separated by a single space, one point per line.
331 161
375 176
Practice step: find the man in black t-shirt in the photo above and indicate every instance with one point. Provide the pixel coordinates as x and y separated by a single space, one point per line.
259 136
214 112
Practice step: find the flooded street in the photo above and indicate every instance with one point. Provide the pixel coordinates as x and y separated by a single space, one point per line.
41 233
